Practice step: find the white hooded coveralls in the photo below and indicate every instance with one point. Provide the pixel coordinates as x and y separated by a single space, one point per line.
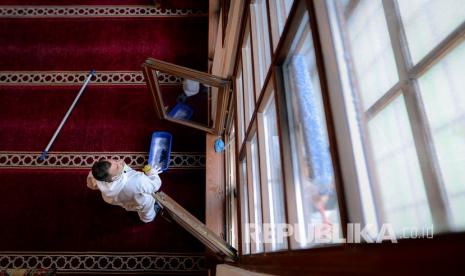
132 190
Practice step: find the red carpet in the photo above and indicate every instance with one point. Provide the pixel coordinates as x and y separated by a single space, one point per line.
74 44
52 210
105 119
176 4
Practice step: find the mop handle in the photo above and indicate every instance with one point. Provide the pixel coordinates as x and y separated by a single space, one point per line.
45 152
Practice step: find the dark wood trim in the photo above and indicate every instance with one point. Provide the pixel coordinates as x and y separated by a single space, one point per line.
266 93
245 16
213 24
441 255
238 174
225 7
270 35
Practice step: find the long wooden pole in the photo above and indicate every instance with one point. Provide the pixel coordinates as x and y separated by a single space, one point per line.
45 152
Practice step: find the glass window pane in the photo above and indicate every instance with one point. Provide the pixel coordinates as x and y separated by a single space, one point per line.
240 103
428 22
255 192
260 42
370 47
352 107
248 83
442 90
274 181
315 194
279 10
401 189
389 176
245 220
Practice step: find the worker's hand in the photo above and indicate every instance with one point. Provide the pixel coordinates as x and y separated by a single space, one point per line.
157 170
153 171
91 182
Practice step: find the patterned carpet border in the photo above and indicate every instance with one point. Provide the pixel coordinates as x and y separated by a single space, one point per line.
80 160
78 77
151 262
80 11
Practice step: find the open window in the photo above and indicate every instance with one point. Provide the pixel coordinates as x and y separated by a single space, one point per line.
215 243
196 99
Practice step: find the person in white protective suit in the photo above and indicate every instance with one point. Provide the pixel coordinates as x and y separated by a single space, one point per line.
190 88
120 185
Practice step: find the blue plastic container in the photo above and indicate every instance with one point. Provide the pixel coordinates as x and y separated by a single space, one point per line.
181 111
160 150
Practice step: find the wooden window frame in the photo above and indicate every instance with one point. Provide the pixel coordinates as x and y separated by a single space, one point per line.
239 103
343 258
243 246
248 76
231 184
273 77
261 43
254 249
407 86
293 22
422 134
220 103
269 93
274 24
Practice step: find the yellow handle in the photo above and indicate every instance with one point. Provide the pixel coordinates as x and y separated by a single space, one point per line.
146 168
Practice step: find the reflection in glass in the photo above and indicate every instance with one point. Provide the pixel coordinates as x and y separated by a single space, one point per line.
443 93
188 102
402 191
428 22
316 199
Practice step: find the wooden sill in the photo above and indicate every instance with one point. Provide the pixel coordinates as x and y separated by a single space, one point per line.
441 255
214 189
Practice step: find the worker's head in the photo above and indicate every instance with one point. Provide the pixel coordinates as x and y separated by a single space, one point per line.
107 169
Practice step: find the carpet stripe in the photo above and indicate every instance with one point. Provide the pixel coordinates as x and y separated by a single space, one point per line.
94 11
104 262
78 77
80 160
